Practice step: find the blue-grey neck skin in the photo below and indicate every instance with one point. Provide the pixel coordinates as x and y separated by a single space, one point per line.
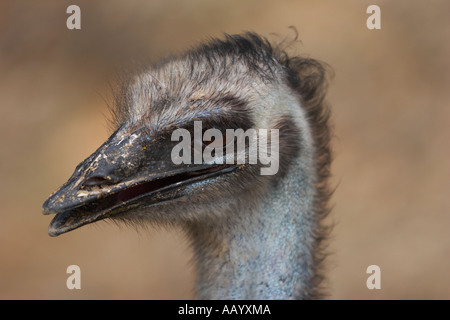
263 248
267 252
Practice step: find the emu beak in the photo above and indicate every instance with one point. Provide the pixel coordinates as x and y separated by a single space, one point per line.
129 171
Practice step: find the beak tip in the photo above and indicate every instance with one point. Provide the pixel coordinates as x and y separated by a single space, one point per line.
53 230
53 233
47 206
67 221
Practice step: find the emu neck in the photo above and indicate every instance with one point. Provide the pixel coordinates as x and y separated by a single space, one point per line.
265 251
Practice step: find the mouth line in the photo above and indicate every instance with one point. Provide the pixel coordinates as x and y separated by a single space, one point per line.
99 209
162 184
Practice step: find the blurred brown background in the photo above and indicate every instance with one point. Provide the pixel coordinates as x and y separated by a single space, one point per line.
391 113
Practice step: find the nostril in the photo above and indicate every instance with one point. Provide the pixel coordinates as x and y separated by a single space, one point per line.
97 181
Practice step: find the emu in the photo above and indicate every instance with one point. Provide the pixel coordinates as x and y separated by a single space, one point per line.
254 236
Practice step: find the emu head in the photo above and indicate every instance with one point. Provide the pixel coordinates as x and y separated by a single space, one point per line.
241 82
